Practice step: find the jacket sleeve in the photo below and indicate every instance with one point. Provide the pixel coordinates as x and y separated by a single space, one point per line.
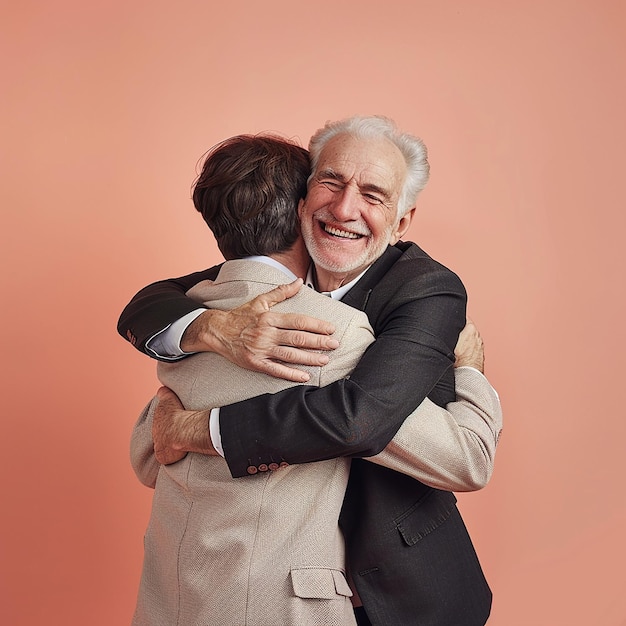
157 306
142 457
450 448
416 322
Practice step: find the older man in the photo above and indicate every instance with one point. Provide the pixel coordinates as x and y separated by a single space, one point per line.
409 553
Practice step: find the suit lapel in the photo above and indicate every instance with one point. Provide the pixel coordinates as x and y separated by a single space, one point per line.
358 296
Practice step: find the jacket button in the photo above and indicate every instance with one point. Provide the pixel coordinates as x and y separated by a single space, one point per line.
252 470
263 467
273 466
284 464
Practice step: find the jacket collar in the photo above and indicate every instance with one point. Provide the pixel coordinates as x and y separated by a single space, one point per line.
358 296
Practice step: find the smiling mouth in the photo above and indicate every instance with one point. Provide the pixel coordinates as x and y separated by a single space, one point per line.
342 234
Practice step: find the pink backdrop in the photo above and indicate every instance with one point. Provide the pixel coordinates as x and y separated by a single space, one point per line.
108 107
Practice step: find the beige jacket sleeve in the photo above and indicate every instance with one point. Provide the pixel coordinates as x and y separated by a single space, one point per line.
452 448
142 457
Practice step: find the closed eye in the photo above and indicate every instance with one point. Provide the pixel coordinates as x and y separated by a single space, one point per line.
333 185
372 199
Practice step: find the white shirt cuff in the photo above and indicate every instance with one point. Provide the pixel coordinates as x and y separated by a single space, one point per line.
166 343
214 431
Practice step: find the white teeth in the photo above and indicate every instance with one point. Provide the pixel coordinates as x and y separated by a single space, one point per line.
341 233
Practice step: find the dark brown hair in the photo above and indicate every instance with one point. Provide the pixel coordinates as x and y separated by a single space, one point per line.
248 193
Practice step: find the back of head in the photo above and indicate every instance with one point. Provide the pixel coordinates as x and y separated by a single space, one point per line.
379 127
248 194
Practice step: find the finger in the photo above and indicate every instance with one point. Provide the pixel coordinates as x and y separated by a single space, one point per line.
278 370
299 322
293 356
279 294
305 340
168 399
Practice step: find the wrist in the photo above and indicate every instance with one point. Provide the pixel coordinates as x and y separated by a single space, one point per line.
476 363
199 336
197 433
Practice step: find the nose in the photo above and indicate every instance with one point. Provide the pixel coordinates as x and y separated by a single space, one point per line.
345 206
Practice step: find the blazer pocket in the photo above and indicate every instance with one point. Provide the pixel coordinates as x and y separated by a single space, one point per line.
425 516
320 583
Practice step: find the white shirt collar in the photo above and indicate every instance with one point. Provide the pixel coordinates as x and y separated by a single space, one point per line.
269 261
336 294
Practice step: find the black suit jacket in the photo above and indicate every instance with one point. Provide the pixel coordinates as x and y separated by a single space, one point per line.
410 556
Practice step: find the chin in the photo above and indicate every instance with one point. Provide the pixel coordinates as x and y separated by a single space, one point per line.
337 265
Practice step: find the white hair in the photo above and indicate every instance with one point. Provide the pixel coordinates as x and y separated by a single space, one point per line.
376 127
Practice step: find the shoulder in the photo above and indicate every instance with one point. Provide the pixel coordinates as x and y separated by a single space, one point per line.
415 271
410 285
315 304
238 281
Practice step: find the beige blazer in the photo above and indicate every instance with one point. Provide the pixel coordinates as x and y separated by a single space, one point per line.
267 549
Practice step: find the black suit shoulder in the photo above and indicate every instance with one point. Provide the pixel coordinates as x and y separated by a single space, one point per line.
413 275
158 305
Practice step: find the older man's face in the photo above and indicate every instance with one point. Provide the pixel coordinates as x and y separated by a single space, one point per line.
350 213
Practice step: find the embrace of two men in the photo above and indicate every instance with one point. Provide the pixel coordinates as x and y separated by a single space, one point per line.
336 491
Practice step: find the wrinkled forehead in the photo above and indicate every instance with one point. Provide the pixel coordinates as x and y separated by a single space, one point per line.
366 161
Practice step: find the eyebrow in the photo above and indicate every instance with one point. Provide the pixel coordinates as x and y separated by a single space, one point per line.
376 189
331 173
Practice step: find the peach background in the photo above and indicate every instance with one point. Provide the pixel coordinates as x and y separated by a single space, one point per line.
108 107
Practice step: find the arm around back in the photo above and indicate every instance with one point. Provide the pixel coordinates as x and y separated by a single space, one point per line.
157 306
142 456
417 309
453 448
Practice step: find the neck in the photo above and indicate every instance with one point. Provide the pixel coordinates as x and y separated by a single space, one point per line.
296 259
329 281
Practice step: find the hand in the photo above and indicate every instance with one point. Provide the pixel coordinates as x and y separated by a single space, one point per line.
469 348
255 338
176 431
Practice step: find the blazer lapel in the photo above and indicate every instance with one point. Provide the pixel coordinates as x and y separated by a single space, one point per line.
358 296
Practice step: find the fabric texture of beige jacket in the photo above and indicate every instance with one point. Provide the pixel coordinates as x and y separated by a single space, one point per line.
266 549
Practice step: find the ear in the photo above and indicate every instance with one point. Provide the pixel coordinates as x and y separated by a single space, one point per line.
300 205
402 226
